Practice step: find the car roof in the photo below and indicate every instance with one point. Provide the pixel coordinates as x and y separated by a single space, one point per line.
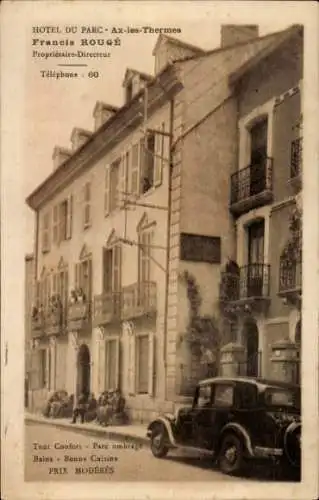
261 383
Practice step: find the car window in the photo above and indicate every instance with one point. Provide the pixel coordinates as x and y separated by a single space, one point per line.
246 396
204 396
223 395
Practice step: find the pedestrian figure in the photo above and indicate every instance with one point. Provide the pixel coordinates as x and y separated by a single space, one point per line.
80 408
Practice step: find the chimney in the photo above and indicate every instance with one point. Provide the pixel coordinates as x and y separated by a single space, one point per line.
102 113
79 136
60 155
233 34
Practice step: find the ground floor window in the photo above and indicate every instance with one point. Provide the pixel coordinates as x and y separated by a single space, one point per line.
111 364
42 368
142 361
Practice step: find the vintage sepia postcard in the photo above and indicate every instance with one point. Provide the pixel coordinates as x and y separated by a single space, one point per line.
160 247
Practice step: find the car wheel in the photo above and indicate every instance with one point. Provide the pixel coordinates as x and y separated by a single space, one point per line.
158 439
231 455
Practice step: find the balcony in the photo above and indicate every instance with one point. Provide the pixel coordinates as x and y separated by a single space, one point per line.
296 164
251 187
139 299
106 308
79 315
290 280
54 321
37 324
248 289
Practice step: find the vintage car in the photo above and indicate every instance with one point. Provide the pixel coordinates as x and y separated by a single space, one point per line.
235 420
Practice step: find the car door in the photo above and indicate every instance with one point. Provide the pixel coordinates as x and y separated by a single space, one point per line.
223 407
201 417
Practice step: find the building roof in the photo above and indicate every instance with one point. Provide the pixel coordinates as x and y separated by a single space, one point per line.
167 77
145 76
56 177
176 41
260 56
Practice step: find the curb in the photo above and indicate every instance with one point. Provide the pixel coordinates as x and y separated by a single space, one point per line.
82 429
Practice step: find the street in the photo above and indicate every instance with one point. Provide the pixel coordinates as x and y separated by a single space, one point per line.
64 455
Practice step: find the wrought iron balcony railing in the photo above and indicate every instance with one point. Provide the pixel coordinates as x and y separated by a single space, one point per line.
139 299
290 276
79 314
107 308
296 158
37 324
252 281
251 186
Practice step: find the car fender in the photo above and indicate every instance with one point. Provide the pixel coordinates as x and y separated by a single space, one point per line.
167 424
241 431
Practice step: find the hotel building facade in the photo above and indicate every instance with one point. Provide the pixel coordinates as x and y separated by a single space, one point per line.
139 223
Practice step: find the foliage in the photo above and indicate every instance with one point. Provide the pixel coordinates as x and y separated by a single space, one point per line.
202 331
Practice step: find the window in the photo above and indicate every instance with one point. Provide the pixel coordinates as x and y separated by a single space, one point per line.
55 235
204 396
87 205
135 161
149 163
111 363
258 156
42 368
256 242
114 185
112 274
258 138
63 212
223 395
83 278
62 221
45 290
142 363
145 239
46 232
60 287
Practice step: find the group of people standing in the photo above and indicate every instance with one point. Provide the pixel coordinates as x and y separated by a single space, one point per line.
108 409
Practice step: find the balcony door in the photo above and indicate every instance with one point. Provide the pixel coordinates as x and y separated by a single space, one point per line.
258 154
255 269
112 273
252 349
144 266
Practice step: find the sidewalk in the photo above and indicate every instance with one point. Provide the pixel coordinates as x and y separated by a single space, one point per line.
136 433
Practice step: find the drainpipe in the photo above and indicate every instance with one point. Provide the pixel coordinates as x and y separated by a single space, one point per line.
169 203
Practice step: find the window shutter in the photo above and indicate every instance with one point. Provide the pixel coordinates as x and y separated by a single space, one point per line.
122 188
107 191
90 279
77 276
117 362
151 364
159 152
134 170
116 285
142 164
87 204
55 235
55 284
69 217
107 364
47 367
132 365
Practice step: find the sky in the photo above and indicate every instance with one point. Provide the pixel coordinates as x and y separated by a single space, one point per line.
54 107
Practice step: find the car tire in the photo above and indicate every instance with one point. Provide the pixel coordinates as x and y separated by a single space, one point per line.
231 455
158 440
